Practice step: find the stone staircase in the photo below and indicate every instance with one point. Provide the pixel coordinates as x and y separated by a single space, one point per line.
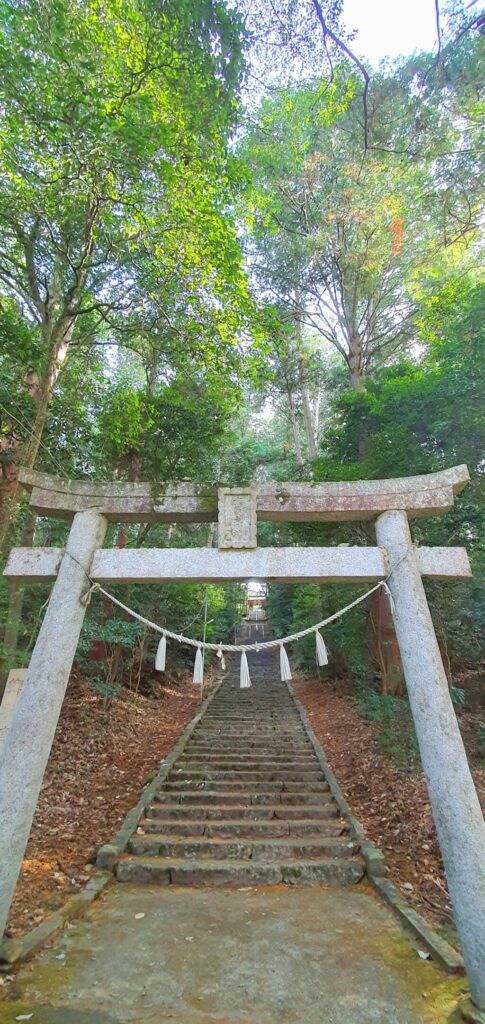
247 802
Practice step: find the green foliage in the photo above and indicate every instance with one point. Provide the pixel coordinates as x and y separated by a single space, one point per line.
457 696
481 737
116 226
394 735
421 417
173 433
292 608
107 689
110 631
132 345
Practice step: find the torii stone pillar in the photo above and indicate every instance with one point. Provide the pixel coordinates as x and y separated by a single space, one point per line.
454 801
28 742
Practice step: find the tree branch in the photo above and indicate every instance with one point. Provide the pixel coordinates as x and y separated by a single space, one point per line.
339 43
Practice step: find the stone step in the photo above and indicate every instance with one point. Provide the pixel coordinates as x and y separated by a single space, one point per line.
250 724
246 803
229 723
227 775
238 760
221 742
246 754
239 739
231 765
242 828
256 731
231 786
208 812
243 798
162 871
250 714
157 845
253 812
286 714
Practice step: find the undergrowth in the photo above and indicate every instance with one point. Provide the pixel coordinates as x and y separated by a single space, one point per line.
394 736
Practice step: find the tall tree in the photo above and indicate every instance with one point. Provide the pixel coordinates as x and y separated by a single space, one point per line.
339 236
114 121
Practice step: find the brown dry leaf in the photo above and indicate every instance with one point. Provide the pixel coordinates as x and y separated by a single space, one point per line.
95 774
392 807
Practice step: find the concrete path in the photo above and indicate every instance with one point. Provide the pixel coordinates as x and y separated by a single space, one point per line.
233 956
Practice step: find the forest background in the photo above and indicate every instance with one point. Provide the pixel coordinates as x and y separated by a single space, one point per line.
231 250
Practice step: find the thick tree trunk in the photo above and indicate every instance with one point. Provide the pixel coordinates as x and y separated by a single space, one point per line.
357 383
356 362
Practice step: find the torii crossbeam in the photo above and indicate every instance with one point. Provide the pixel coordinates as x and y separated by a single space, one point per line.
90 504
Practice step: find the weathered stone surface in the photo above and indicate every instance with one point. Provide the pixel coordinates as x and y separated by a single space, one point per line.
306 797
143 872
170 828
288 849
374 860
223 827
321 956
418 495
272 778
470 1013
27 744
440 950
454 802
237 517
208 813
107 856
158 565
13 686
225 873
310 810
248 828
156 846
317 827
330 872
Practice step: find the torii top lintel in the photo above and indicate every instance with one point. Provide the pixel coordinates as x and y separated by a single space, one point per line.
429 494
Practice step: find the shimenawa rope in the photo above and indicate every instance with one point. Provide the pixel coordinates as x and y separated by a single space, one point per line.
200 645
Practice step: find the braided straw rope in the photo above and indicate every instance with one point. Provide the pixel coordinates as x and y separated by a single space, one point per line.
234 648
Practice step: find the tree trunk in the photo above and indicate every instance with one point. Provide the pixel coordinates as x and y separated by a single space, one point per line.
386 647
308 421
305 399
58 351
295 432
318 402
357 383
356 362
15 605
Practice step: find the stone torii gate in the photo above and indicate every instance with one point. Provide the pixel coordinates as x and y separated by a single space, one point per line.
91 505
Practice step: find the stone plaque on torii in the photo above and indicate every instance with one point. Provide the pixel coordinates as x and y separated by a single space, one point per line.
91 505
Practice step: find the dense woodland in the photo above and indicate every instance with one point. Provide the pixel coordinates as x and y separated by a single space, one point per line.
231 250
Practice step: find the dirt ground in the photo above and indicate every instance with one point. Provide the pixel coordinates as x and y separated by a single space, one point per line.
99 764
392 806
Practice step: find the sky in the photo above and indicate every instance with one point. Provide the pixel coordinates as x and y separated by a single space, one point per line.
387 28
